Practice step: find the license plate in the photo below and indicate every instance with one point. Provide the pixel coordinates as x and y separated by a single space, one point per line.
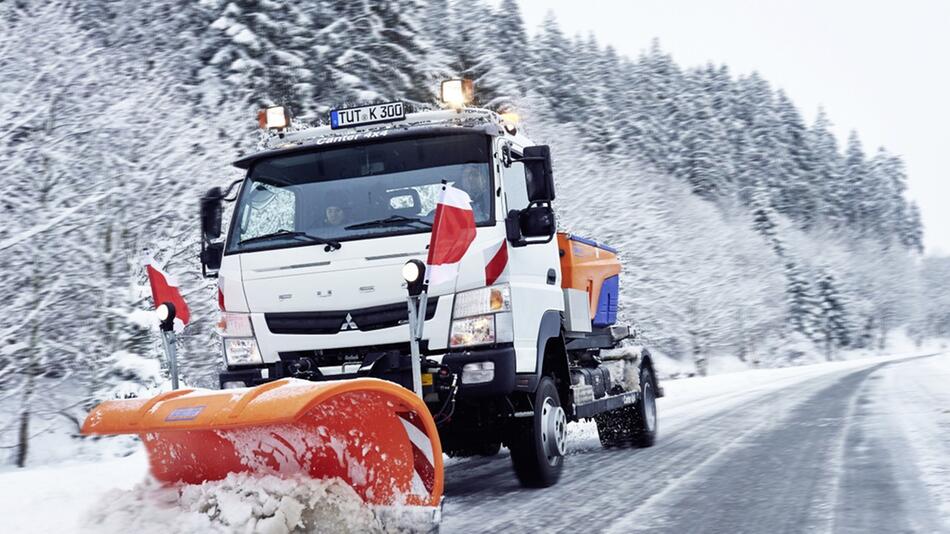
347 117
426 379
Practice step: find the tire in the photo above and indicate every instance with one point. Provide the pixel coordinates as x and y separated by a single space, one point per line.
537 446
489 448
634 425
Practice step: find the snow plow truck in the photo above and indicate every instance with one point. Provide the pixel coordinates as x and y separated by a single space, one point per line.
320 373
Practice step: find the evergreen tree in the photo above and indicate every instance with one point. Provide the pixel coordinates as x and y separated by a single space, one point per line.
764 221
375 53
511 41
475 54
702 142
800 301
592 66
911 228
258 48
765 159
855 182
827 176
561 86
832 325
657 81
797 192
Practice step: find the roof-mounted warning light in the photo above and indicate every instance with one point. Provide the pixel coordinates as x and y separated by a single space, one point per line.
274 117
457 93
510 121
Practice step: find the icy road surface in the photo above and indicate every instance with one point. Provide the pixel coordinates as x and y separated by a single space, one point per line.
860 446
857 446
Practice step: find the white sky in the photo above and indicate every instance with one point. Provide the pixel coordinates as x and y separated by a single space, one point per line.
880 67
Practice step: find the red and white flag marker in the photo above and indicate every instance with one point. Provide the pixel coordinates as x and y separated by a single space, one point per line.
165 289
453 231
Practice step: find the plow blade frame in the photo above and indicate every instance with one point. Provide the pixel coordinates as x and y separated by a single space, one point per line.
375 435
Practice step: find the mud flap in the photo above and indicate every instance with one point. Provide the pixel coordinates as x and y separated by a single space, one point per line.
375 435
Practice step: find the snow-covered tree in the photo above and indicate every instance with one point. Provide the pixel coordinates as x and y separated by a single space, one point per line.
833 328
740 227
261 49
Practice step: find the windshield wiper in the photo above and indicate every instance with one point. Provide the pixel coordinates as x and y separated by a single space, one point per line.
392 220
330 244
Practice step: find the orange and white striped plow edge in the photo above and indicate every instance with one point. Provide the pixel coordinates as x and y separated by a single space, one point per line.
375 435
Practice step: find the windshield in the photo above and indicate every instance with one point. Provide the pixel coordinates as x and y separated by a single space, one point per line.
355 192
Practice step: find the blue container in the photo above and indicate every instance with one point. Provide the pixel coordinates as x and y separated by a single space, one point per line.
607 303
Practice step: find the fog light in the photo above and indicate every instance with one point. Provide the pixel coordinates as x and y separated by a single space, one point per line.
478 372
234 384
242 351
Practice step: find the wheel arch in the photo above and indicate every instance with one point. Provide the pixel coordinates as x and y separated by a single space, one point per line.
646 361
552 356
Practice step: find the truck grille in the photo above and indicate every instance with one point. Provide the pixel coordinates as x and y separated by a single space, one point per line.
332 322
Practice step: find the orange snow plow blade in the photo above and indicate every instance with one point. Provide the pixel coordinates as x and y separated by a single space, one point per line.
375 435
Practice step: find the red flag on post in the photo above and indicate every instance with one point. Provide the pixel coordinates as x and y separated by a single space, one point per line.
453 231
165 289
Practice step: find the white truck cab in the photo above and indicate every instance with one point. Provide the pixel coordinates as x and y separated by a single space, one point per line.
310 284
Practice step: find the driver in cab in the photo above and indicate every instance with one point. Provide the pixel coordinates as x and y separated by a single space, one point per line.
474 181
335 215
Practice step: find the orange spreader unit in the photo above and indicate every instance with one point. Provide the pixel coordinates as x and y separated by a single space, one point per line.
375 435
586 265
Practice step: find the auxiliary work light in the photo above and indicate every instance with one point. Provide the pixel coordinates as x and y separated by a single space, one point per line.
166 316
274 118
457 93
414 273
510 121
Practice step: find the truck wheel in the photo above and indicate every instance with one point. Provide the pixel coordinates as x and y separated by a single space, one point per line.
489 448
537 446
645 420
634 425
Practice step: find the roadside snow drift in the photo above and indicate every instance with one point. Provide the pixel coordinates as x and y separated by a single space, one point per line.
239 503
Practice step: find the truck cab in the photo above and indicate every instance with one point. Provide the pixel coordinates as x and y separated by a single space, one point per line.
310 284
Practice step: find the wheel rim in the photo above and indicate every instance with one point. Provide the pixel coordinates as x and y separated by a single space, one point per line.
553 430
649 406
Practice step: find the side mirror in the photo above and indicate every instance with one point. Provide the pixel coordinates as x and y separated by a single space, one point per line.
536 221
211 210
211 256
537 162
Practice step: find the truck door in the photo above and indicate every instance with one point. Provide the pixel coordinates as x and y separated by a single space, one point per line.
534 272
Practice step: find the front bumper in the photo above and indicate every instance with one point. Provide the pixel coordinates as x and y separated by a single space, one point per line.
503 381
397 368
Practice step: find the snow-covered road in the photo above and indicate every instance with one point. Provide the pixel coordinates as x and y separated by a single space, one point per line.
853 446
860 446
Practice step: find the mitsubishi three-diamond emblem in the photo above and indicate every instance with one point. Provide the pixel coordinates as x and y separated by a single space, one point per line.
348 323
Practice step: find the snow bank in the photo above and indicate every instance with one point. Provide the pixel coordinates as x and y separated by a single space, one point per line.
239 503
246 503
795 351
117 497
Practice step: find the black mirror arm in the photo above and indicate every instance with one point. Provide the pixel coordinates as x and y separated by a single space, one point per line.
225 198
201 258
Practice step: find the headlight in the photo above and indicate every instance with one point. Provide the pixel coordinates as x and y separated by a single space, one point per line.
482 330
242 351
480 301
473 331
233 324
240 346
